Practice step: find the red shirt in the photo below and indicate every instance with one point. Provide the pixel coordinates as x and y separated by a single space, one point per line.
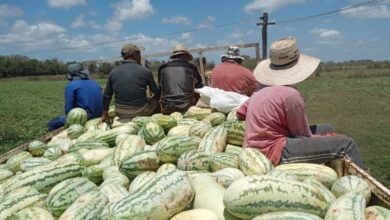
231 76
271 115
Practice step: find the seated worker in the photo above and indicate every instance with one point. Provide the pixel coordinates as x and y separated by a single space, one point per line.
129 82
231 76
177 79
80 92
275 118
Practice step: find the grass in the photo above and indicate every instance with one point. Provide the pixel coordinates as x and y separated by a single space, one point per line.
356 106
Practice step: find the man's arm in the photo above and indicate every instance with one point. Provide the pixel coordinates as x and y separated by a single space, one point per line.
152 84
296 117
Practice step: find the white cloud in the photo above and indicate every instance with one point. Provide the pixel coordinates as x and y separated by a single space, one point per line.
187 37
177 20
326 33
269 5
10 11
3 23
209 22
65 4
133 10
78 22
378 11
93 24
113 25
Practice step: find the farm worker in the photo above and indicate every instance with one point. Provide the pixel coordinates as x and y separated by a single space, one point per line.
275 118
129 82
177 79
231 76
80 92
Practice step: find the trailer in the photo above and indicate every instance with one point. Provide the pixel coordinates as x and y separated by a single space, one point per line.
343 167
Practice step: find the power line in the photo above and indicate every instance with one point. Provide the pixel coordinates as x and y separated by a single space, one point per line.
337 11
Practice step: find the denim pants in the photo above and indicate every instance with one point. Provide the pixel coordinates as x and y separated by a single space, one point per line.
320 149
56 123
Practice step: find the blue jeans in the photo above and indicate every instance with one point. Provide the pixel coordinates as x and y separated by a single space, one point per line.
56 123
320 149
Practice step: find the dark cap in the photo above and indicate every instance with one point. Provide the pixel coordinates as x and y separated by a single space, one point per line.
129 49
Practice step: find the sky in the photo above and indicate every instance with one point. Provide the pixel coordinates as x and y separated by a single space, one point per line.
80 30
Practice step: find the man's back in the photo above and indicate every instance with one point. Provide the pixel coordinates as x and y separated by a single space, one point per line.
128 82
86 94
231 76
177 80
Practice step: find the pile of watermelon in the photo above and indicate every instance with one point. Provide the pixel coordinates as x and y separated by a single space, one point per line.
177 166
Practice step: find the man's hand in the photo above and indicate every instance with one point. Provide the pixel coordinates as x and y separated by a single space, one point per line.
106 118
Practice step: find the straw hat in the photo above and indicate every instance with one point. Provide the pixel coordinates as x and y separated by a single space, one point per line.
232 53
129 49
179 50
286 66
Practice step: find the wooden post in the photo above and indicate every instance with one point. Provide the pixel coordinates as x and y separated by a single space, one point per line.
264 25
257 48
201 66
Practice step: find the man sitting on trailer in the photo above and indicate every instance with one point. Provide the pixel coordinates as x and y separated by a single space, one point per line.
231 76
177 79
275 118
129 82
80 92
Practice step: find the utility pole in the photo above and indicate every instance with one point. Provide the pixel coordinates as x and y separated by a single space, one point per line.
264 25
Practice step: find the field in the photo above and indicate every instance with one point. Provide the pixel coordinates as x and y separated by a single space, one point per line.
355 104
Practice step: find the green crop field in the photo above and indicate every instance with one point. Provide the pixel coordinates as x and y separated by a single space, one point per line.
356 105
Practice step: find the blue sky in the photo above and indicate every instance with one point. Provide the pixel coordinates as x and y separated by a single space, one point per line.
95 29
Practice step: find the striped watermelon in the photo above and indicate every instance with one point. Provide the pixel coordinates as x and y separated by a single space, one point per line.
94 173
180 130
62 195
197 113
251 196
215 118
141 180
177 115
329 196
199 129
223 160
110 135
114 192
232 115
13 163
187 121
141 120
53 152
152 132
165 121
95 156
44 176
165 167
322 173
196 214
33 162
351 183
32 213
37 148
76 116
214 140
17 199
251 162
235 132
89 206
283 175
194 160
139 163
287 216
227 176
348 206
131 145
377 213
169 149
75 131
5 174
167 194
89 144
233 149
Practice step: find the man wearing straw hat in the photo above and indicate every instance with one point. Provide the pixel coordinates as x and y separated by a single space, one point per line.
275 118
231 76
177 79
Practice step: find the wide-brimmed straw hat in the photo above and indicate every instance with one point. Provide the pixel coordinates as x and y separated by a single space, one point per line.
232 53
286 65
179 50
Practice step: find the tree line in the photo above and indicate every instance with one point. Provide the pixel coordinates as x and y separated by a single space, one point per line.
19 66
